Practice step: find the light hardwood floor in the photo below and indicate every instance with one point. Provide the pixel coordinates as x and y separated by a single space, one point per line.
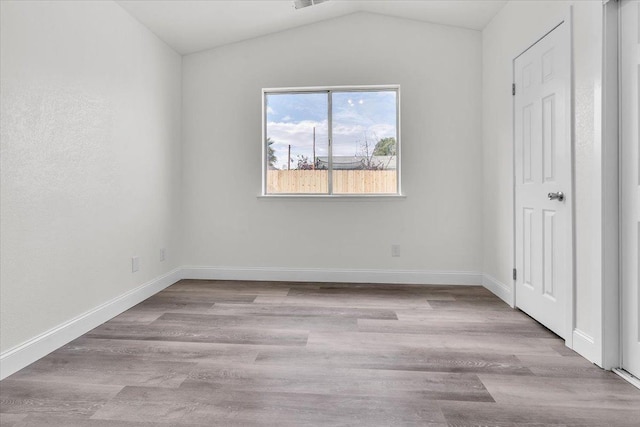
293 354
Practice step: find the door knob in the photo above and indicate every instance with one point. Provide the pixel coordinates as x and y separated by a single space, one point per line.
559 196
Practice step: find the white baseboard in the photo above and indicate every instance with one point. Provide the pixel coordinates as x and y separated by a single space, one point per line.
419 277
28 352
584 345
22 355
499 289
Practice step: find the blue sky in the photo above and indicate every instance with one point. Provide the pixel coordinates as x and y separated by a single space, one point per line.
356 116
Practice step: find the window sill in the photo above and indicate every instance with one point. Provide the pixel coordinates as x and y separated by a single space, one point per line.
345 197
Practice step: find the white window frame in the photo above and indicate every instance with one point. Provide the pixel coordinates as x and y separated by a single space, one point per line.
329 90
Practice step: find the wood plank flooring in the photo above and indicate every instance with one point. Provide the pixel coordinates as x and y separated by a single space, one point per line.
296 354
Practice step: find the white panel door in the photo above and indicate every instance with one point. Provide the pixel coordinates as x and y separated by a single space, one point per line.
543 180
630 184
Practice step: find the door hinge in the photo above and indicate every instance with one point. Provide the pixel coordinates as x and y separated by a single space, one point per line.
515 274
513 89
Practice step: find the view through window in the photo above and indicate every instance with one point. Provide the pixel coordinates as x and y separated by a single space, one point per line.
341 141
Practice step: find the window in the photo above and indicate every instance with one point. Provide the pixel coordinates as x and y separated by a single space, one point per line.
331 141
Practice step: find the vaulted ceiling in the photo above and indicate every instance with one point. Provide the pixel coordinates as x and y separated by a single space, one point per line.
192 25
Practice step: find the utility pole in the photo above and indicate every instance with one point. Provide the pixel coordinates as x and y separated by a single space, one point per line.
289 162
314 148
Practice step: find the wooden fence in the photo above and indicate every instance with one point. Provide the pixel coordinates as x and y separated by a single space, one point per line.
344 181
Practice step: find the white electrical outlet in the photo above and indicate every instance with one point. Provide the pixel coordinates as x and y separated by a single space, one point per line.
163 253
395 250
135 264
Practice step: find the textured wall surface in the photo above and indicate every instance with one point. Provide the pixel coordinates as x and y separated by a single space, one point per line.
438 225
516 27
90 152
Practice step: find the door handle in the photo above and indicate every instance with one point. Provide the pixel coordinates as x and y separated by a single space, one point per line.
559 196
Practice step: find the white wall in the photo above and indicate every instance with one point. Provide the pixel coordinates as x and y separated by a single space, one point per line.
517 26
438 225
90 160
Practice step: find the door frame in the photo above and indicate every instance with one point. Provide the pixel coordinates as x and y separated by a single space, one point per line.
611 286
564 18
609 248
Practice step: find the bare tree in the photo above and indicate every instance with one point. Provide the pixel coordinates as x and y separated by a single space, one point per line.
304 164
367 151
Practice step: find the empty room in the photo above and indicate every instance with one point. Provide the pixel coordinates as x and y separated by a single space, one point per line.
319 212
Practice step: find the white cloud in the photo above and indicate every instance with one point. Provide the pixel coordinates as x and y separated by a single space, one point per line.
383 131
300 136
349 130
